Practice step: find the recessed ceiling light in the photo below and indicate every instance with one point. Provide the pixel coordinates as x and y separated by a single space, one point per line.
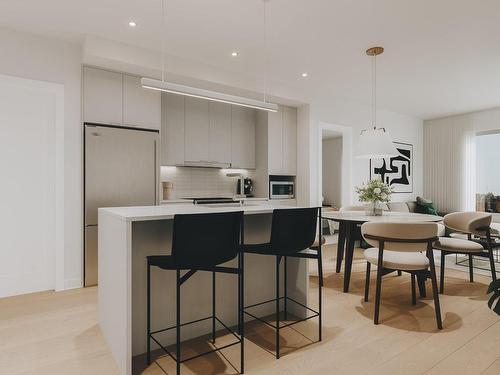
234 53
132 24
304 75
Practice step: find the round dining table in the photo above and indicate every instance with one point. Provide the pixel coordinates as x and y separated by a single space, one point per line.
350 231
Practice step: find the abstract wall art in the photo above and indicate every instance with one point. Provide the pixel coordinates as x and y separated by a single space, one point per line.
397 171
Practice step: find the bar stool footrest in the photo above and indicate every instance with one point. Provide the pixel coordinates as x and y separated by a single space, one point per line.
314 315
238 339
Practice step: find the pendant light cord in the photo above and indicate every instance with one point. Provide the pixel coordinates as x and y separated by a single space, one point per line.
374 91
163 36
265 50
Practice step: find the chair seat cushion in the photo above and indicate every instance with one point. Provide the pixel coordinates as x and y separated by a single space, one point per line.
165 262
398 260
457 245
315 245
441 230
258 248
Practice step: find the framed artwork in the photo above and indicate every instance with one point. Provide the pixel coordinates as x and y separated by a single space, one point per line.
397 172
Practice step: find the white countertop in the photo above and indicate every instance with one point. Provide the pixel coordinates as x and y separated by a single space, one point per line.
167 211
187 200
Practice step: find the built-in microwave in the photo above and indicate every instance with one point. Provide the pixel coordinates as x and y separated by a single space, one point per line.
281 189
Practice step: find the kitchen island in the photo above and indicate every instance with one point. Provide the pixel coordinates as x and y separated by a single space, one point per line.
128 234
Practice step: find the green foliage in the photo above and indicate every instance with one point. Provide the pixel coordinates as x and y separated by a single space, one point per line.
494 301
374 191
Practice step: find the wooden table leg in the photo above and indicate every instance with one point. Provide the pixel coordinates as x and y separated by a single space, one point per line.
340 247
349 254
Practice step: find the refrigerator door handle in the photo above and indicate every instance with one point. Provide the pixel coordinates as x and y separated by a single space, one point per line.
157 177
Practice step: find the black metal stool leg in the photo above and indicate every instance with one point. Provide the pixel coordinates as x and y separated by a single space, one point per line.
320 266
241 292
320 296
285 309
178 323
277 307
148 358
213 307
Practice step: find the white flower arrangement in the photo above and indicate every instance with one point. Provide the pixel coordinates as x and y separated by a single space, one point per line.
374 191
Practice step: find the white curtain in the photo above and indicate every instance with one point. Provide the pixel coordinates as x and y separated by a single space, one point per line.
450 163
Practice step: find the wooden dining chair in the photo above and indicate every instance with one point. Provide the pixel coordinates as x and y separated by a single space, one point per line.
476 227
405 247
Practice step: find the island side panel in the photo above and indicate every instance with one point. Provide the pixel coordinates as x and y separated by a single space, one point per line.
154 238
114 293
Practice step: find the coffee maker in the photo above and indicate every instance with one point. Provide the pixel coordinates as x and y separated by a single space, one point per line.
247 187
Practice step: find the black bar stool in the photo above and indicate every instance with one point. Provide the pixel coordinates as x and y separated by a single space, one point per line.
293 232
217 240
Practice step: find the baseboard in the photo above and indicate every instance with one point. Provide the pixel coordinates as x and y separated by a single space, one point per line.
73 283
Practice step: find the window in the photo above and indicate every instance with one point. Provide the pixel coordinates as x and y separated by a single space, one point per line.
487 171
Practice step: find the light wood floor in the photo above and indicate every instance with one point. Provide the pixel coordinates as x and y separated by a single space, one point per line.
57 333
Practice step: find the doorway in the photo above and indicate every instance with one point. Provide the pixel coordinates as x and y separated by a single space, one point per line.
32 189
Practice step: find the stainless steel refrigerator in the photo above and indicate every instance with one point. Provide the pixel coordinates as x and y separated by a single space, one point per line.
121 169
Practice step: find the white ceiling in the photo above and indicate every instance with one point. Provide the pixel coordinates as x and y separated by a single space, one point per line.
442 57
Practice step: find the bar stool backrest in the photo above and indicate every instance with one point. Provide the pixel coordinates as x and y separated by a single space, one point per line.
468 222
206 240
406 237
293 230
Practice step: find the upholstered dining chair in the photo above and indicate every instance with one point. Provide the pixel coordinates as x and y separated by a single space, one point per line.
403 247
477 227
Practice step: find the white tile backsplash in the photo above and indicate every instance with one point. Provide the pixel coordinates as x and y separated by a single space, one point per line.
200 182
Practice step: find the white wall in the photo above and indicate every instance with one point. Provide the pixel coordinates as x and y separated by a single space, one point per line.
402 128
332 171
40 58
45 59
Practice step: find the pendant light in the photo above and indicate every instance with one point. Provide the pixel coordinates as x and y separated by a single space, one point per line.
174 88
375 143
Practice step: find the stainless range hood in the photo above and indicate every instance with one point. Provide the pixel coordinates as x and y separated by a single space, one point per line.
205 164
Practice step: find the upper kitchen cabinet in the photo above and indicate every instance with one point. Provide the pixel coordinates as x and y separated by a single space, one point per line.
290 140
282 141
141 107
172 129
196 130
219 135
243 137
102 96
118 99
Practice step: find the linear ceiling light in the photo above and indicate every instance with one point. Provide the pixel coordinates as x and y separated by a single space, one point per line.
174 88
195 92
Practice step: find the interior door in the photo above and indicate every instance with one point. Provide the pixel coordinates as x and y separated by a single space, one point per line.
27 191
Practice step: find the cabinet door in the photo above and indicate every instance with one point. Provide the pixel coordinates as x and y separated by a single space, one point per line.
196 131
242 137
219 135
102 96
289 140
275 141
172 129
141 107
